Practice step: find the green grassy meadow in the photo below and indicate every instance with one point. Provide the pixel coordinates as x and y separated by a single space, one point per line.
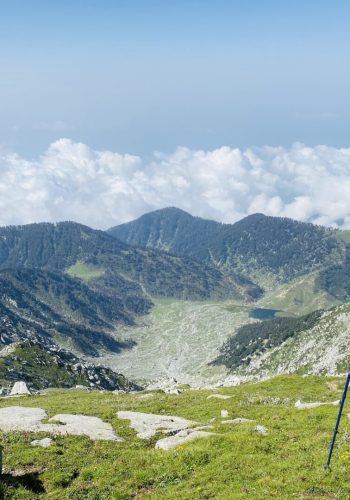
236 463
299 297
85 272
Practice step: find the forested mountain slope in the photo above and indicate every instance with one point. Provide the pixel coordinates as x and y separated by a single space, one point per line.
101 259
44 305
278 247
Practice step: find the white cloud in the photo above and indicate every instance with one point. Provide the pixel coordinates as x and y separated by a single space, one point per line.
70 181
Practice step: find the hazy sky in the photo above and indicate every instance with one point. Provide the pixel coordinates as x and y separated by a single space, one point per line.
91 89
142 75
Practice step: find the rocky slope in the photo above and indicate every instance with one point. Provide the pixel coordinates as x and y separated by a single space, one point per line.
315 344
252 340
42 305
46 365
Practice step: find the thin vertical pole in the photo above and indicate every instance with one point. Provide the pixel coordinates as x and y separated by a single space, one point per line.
338 420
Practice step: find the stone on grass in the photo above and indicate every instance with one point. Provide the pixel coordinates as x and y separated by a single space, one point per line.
44 443
316 404
261 430
20 389
219 396
224 413
148 424
181 438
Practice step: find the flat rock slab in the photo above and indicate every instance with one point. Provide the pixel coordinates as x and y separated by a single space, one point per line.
181 438
21 418
316 404
81 425
219 396
147 424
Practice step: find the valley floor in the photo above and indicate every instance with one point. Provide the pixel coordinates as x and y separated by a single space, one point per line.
237 462
171 338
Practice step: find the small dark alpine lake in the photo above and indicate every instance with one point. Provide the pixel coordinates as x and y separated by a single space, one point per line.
260 313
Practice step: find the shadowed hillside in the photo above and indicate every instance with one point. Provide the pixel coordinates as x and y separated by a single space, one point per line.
113 264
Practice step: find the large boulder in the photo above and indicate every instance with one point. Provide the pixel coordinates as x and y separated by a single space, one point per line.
20 389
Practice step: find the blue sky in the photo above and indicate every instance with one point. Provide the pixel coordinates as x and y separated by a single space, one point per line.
136 76
224 108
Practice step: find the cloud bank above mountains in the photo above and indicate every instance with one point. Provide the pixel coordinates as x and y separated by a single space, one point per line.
70 181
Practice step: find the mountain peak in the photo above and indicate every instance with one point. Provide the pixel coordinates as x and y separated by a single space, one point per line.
254 217
167 212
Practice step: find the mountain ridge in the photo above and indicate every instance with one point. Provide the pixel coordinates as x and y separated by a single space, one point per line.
58 247
262 248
